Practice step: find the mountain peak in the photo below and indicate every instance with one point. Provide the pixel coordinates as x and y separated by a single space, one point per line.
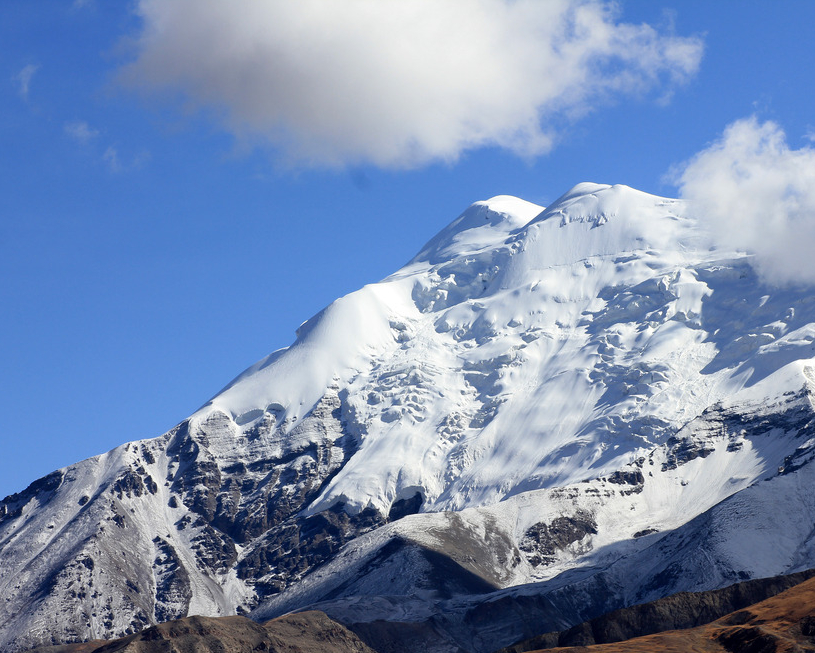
583 188
483 224
440 368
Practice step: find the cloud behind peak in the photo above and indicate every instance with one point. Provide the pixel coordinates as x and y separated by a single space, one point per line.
758 194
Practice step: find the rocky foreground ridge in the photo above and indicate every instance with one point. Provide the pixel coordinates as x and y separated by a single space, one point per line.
771 614
783 623
686 611
546 415
306 632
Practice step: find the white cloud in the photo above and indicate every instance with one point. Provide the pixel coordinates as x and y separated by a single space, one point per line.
23 78
758 195
400 82
80 131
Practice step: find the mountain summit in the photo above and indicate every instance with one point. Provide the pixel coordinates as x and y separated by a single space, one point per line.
563 410
480 366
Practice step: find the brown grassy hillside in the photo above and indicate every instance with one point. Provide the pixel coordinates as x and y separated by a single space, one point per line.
783 623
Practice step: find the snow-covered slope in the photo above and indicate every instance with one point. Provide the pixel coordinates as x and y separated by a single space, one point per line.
551 391
502 354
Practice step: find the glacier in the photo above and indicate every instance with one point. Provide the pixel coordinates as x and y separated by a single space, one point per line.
571 409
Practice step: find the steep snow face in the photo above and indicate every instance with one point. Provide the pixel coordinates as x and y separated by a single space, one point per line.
525 348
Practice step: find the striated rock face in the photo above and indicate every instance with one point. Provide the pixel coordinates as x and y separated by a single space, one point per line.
546 415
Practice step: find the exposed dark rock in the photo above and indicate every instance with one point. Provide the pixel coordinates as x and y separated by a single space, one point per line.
696 439
798 458
213 550
683 450
257 500
173 592
543 541
150 484
129 484
285 553
627 478
287 484
404 507
196 478
11 507
147 455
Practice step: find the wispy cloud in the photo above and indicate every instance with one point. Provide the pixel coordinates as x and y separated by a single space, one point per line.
23 79
399 84
758 194
117 163
111 157
80 131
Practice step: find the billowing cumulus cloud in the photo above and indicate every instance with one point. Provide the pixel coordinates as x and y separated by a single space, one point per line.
399 83
758 194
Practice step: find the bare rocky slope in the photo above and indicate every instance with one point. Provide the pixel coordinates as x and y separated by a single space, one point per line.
737 605
546 415
306 632
682 611
781 624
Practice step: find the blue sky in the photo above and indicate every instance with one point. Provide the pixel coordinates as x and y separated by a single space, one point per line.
159 232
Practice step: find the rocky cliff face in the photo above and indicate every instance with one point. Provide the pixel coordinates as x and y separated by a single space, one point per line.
546 415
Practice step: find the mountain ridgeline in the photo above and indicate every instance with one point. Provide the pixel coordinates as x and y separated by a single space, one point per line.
546 415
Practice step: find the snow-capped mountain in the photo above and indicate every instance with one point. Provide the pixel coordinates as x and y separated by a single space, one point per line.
546 414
